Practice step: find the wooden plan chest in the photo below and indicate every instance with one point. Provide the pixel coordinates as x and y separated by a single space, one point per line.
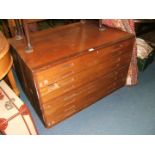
71 67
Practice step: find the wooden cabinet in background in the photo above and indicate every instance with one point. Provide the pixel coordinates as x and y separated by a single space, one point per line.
72 67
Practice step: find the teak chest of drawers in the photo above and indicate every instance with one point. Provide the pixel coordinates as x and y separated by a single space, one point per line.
71 67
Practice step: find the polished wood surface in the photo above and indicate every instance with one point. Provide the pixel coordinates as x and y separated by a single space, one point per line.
61 108
69 82
33 22
72 67
6 62
5 57
73 38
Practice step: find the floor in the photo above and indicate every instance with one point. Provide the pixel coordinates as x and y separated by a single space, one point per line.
129 110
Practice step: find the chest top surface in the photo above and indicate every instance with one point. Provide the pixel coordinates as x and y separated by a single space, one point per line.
53 46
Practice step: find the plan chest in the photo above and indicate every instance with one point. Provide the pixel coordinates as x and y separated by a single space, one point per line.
71 67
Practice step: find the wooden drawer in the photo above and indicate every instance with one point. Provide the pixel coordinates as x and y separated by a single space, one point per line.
102 81
56 89
78 64
76 100
115 50
60 109
69 97
102 90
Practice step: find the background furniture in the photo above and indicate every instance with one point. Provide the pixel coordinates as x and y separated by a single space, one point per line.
6 63
21 27
72 67
143 26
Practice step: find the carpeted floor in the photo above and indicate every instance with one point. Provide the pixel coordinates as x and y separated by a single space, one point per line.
129 110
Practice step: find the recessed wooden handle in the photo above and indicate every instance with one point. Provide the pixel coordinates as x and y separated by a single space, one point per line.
68 65
67 74
53 86
69 102
117 52
68 81
68 89
70 97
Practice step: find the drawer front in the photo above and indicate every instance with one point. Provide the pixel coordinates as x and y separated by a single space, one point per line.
56 89
61 108
80 92
53 118
76 95
87 88
116 49
83 62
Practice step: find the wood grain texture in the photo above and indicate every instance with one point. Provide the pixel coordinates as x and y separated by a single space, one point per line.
53 46
6 62
72 67
5 57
